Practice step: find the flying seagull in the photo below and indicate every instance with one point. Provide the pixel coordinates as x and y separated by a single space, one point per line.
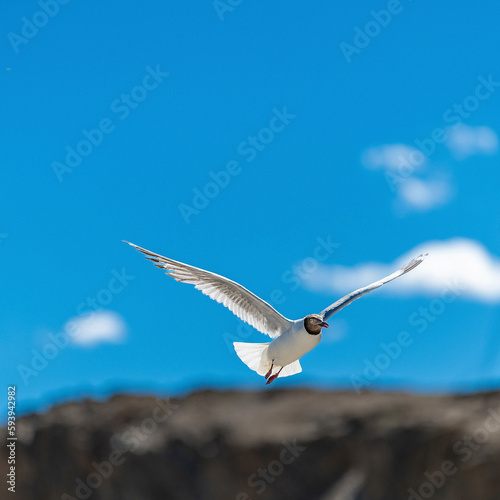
291 339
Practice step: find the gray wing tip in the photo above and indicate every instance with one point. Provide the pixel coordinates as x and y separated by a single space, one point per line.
140 249
415 262
421 257
151 256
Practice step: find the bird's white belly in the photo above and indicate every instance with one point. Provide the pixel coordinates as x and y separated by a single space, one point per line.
291 346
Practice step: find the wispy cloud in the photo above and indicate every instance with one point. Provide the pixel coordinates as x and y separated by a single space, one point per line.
421 185
96 327
424 194
459 262
391 157
465 141
406 170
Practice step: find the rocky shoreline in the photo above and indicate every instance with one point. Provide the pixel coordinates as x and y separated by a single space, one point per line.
284 444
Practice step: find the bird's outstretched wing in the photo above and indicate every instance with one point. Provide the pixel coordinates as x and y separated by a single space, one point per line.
345 301
240 301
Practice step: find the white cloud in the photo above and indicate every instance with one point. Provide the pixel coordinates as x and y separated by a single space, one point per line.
403 166
465 141
96 327
423 195
465 266
392 157
406 168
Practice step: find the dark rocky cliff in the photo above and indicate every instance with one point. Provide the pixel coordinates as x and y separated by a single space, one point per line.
293 444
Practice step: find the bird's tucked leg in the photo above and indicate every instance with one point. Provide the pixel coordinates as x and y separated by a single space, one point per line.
268 374
274 377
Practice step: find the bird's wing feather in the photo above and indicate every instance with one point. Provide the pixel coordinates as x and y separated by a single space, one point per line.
344 301
240 301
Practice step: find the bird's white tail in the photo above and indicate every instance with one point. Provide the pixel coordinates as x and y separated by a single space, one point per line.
291 369
255 357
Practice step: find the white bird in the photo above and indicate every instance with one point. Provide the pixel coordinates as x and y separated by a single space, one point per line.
291 339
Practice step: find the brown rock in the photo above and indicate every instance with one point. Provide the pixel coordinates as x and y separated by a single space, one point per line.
293 445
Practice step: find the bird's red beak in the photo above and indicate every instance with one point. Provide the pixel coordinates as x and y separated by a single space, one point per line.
324 325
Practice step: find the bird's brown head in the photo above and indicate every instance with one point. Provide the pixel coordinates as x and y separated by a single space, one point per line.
314 323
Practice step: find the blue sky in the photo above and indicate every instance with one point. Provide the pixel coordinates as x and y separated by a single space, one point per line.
119 119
